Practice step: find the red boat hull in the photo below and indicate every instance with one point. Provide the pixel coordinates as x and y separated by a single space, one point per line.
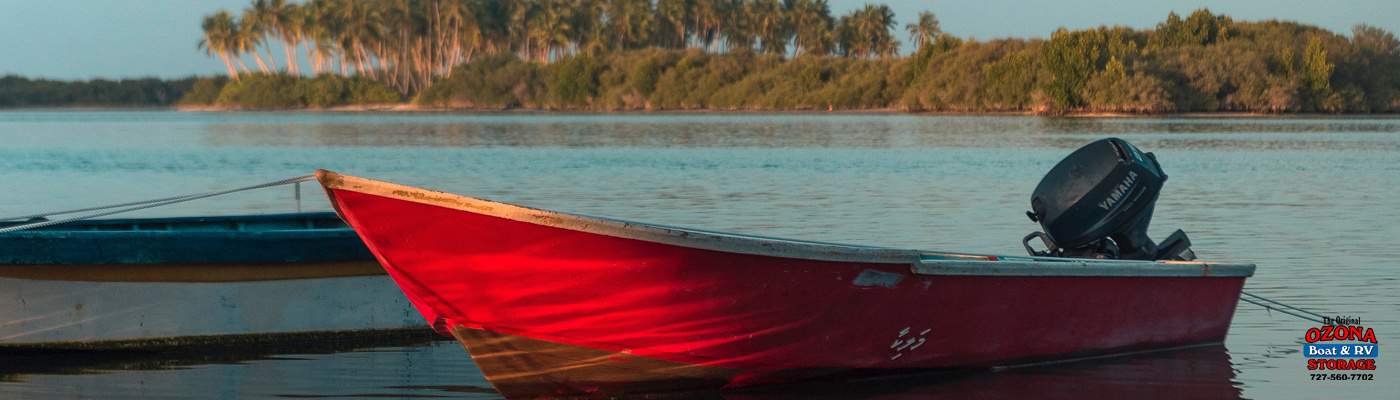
550 310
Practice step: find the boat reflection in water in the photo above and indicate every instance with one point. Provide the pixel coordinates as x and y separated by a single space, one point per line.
18 364
1194 373
430 368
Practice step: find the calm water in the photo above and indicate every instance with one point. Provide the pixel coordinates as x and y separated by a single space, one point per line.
1314 202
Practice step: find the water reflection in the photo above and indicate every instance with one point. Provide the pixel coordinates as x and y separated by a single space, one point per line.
18 364
790 131
428 369
1197 373
412 367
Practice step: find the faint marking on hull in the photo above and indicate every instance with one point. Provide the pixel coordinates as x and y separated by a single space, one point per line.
871 277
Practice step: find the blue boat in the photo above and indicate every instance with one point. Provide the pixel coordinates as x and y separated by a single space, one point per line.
144 282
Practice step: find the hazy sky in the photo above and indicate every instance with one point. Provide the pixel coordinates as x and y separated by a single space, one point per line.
125 38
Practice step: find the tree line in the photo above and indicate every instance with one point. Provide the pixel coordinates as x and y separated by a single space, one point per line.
757 55
17 91
795 54
408 44
1203 62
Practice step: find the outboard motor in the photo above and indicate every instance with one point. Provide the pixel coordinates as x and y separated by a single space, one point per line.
1097 203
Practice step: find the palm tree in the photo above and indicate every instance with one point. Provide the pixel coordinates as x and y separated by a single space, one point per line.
552 30
254 26
738 27
359 29
628 23
219 31
772 25
924 31
865 32
246 40
880 22
674 23
523 14
811 20
588 33
456 16
395 38
709 18
495 20
318 29
286 21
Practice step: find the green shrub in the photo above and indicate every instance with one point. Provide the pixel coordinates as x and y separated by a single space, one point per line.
573 81
366 91
205 91
333 90
643 75
322 91
281 91
494 82
261 92
676 84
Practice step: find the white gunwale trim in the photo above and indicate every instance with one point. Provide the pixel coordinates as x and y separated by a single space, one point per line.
1083 268
923 262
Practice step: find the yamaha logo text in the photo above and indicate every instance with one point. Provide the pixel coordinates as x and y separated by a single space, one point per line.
1119 191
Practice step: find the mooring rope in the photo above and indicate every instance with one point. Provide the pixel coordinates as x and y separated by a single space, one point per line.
50 214
1280 307
138 205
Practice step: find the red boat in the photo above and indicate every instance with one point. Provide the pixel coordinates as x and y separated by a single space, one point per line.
555 303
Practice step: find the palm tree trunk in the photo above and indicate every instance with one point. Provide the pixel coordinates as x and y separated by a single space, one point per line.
361 59
243 65
313 58
261 65
455 58
232 73
271 60
290 48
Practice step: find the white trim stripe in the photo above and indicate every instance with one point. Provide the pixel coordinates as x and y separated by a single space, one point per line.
1078 268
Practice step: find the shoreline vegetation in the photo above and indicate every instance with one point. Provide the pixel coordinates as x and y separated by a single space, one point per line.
743 56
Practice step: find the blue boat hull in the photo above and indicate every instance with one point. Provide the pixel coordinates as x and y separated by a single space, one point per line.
254 239
156 281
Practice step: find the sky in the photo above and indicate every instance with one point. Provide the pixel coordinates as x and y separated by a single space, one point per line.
81 39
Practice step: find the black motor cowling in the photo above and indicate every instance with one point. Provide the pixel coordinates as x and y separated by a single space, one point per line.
1097 203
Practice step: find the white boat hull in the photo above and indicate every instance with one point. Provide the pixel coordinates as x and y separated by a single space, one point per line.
95 314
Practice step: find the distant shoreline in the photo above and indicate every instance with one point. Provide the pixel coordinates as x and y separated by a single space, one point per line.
409 108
